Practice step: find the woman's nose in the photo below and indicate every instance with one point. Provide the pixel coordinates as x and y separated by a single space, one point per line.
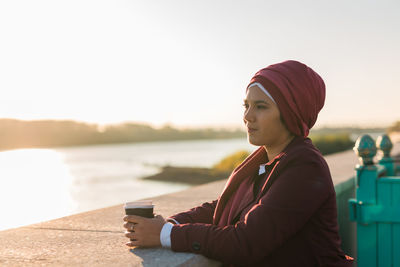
248 115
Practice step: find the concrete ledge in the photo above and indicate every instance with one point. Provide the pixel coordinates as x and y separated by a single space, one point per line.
96 238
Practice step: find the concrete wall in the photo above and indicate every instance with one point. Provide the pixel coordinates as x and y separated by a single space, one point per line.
96 238
347 229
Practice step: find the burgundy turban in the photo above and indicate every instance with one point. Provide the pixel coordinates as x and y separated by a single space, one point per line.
298 91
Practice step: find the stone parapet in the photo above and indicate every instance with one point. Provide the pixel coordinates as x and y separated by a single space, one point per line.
96 238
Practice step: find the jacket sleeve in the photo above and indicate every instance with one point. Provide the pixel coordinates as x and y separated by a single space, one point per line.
294 197
201 214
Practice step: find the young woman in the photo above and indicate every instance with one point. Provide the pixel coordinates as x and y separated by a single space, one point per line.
278 208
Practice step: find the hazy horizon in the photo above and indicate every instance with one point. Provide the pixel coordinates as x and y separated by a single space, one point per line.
197 126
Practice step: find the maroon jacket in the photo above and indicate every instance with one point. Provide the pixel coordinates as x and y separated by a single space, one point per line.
293 221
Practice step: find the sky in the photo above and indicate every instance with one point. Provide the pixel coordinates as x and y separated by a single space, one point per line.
187 63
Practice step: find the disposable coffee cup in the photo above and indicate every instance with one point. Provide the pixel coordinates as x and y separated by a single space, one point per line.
140 208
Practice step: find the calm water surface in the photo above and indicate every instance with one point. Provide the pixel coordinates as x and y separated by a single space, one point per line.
43 184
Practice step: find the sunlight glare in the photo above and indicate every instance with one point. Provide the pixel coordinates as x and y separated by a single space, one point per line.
35 186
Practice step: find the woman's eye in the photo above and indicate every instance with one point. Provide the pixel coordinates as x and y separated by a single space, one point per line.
245 106
261 107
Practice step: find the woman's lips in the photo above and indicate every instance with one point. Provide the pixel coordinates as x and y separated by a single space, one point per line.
251 130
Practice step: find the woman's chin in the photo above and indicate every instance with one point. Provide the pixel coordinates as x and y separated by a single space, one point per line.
254 141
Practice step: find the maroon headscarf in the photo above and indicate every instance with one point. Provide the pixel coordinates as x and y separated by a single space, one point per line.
298 91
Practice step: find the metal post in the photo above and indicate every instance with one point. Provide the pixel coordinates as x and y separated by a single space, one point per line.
366 174
384 144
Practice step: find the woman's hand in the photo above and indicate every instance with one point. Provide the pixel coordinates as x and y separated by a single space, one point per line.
143 232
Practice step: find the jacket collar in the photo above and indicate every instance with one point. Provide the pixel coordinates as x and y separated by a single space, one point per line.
287 149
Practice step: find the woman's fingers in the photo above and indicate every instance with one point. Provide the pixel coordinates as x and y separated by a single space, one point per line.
132 243
131 235
143 232
129 226
135 219
134 240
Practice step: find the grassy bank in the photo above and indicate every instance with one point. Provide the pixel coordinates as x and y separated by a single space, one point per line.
188 175
332 143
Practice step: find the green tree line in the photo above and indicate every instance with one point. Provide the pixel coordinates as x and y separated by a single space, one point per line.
51 133
395 127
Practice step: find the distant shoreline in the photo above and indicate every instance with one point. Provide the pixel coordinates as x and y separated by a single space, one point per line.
118 143
16 134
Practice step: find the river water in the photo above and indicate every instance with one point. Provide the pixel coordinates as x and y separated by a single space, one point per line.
43 184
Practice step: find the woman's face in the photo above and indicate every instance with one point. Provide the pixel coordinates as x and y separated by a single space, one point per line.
262 119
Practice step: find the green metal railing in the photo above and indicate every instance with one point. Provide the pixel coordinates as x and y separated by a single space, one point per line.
376 207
